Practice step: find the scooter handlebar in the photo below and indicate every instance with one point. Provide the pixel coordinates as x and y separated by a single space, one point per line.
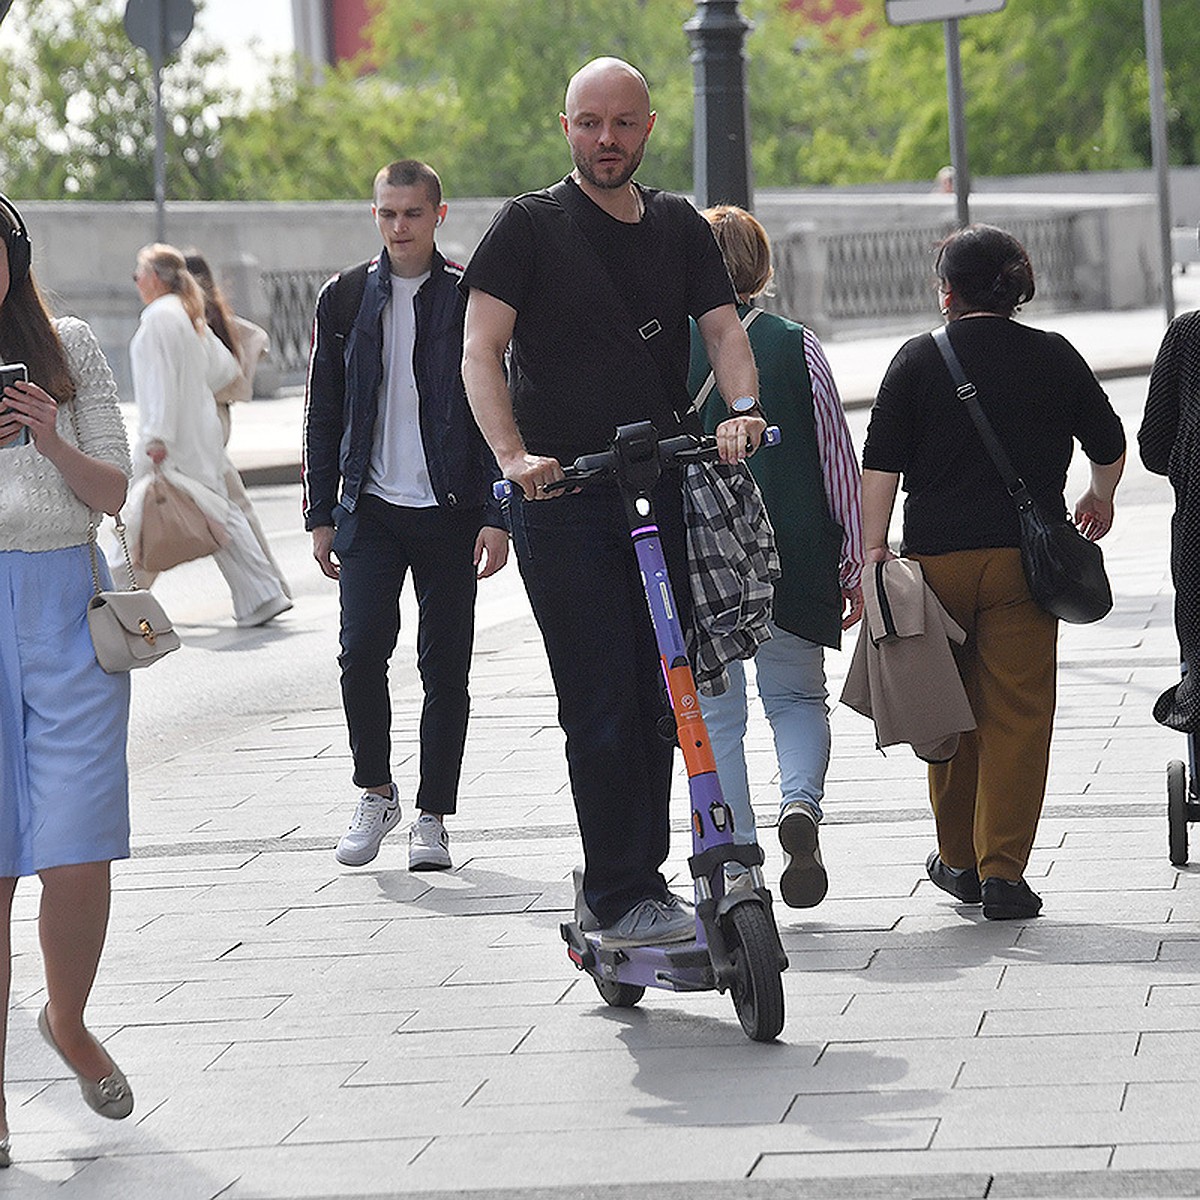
681 448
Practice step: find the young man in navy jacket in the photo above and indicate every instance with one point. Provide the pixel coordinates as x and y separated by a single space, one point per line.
396 477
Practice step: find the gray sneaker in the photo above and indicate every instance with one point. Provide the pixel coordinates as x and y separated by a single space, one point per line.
652 922
584 917
374 818
804 882
428 845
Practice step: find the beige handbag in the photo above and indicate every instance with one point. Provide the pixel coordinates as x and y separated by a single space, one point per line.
129 629
174 530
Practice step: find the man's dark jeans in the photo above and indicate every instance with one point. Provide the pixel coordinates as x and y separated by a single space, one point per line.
377 545
579 568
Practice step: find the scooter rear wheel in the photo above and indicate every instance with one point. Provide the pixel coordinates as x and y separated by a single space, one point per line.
1177 813
619 995
757 986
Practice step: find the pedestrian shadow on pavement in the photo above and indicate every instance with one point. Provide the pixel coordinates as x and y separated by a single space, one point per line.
723 1079
222 636
469 889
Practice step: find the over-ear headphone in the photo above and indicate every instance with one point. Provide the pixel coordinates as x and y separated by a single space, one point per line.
20 249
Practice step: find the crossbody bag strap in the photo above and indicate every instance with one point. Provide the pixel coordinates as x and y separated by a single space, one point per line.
966 392
120 525
566 199
752 315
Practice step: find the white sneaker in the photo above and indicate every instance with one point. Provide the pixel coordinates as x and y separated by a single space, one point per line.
804 881
375 817
428 844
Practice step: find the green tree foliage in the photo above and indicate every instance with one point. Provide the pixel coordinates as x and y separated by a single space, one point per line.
814 115
324 140
475 87
1051 85
76 107
507 62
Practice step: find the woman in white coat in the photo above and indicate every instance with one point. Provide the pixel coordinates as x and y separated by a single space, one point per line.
177 364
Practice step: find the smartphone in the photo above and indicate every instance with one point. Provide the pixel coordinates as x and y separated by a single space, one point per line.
13 373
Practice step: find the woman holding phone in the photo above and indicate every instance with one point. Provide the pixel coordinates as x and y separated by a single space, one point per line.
64 787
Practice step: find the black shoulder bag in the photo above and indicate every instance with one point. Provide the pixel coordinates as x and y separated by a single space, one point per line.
1065 571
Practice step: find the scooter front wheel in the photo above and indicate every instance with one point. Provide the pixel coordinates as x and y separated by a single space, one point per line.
619 995
757 986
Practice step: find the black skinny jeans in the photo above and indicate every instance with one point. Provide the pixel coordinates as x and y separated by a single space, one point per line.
376 546
586 591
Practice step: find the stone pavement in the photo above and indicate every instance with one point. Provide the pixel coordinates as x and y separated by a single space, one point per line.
297 1029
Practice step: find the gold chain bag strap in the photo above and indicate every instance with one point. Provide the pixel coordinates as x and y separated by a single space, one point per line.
129 629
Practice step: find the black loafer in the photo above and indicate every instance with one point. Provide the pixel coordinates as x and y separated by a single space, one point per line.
961 882
1005 900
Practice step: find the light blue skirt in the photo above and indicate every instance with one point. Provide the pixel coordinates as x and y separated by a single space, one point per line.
64 783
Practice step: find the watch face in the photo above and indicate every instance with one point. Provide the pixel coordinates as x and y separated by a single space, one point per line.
745 404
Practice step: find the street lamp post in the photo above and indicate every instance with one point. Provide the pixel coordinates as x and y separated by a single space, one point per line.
159 27
721 168
958 124
1152 19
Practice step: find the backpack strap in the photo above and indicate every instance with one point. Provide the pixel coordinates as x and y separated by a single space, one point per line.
348 291
752 315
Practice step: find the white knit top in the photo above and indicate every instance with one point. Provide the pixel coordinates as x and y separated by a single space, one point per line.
38 511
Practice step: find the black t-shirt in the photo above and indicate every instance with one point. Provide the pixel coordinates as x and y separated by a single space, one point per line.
1038 394
583 285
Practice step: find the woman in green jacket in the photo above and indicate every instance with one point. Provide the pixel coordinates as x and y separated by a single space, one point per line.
810 484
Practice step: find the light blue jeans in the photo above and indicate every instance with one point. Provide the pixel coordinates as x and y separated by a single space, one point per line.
791 684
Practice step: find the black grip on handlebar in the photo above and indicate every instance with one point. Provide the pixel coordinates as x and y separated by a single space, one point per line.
681 448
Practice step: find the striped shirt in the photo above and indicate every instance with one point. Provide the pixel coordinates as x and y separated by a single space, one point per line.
839 463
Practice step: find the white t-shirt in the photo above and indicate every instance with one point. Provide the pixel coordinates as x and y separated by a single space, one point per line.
398 472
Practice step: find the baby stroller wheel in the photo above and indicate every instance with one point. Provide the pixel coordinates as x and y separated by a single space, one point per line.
1177 812
619 995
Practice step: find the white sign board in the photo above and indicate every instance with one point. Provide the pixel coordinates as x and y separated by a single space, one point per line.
912 12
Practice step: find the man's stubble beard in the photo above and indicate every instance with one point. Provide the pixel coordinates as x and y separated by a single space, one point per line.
617 181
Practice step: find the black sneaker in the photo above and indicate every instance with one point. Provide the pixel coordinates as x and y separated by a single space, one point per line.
961 882
1004 900
804 882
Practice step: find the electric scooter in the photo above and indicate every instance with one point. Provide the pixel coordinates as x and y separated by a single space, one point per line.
736 947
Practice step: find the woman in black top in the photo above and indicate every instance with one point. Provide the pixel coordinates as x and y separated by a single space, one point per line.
961 525
1169 440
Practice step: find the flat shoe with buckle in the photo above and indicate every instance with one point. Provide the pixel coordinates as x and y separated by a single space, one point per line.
111 1097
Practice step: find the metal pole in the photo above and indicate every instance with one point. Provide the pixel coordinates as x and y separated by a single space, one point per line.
721 166
160 160
157 58
958 131
1152 13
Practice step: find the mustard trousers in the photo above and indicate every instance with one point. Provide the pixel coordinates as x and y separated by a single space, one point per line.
987 799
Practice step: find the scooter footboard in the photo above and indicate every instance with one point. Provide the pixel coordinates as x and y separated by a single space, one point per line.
683 967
